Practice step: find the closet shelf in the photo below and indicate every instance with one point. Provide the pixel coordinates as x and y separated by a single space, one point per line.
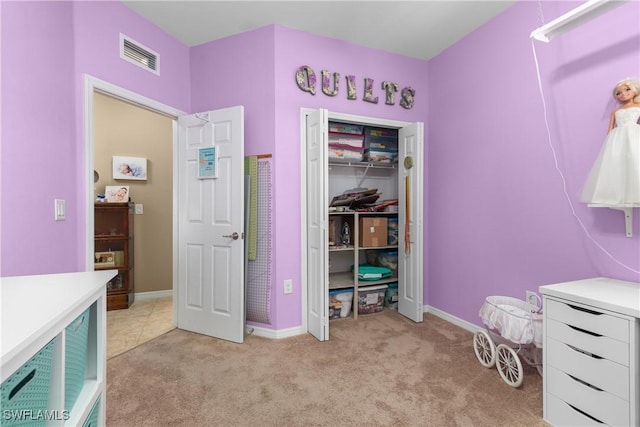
376 165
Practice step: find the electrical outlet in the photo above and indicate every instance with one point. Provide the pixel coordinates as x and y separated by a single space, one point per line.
288 286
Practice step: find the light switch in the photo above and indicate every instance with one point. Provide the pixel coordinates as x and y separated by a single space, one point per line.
60 210
139 209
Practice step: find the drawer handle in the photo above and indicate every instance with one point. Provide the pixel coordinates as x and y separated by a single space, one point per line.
586 353
586 310
22 383
584 331
584 413
78 323
584 383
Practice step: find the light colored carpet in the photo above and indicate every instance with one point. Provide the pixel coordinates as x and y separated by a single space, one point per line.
381 369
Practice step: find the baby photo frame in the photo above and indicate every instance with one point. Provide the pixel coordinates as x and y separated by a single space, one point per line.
132 168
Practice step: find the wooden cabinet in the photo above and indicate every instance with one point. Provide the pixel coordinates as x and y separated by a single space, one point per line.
52 352
591 352
114 250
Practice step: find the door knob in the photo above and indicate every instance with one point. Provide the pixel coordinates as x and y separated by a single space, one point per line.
233 236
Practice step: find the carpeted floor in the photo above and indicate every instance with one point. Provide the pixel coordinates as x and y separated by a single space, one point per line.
381 369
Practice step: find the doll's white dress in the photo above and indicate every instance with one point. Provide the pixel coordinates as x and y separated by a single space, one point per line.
615 175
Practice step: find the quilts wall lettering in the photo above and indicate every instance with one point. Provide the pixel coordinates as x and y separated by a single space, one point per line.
330 86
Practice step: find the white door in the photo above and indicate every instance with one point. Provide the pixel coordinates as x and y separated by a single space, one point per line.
410 214
211 224
317 202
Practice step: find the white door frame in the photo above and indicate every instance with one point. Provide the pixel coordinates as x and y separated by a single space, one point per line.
92 85
332 115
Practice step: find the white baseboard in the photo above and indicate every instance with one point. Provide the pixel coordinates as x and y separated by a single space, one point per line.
275 334
297 330
143 296
452 319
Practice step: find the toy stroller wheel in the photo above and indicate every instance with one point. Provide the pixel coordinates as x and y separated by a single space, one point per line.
509 365
484 348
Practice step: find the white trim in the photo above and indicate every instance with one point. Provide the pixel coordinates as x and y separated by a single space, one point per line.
276 333
452 319
92 85
144 296
304 112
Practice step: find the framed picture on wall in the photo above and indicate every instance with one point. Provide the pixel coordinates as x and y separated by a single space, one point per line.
134 168
207 163
117 193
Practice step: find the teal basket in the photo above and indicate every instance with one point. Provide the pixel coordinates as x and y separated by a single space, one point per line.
25 394
75 358
92 419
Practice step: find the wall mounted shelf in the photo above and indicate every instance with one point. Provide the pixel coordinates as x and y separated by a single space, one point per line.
628 214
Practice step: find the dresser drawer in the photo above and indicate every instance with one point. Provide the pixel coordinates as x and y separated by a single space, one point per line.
588 319
599 404
601 373
560 413
597 344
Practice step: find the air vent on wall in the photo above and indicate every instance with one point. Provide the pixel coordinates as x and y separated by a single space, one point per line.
136 53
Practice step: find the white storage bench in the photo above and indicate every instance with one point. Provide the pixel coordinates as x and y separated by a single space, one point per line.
52 353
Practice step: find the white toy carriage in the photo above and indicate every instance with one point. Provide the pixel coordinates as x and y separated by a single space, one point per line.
514 330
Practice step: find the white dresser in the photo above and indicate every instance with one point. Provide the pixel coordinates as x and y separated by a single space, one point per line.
591 353
39 314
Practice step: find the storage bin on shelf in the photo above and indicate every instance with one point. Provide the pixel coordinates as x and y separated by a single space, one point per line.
371 299
392 231
391 296
380 156
92 419
76 335
345 152
389 259
26 391
381 138
340 301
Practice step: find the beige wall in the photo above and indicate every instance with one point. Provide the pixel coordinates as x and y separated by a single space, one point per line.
122 129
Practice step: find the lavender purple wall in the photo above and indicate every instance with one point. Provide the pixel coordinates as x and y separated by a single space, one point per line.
499 222
238 70
47 47
38 130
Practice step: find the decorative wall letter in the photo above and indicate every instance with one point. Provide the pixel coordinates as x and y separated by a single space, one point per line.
407 95
306 79
326 83
390 89
368 91
351 87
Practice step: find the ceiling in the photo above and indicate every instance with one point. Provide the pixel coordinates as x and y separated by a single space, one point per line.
418 29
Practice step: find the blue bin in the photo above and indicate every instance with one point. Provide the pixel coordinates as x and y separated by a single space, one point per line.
76 335
24 395
92 419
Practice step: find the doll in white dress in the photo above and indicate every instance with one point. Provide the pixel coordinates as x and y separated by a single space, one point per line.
614 179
